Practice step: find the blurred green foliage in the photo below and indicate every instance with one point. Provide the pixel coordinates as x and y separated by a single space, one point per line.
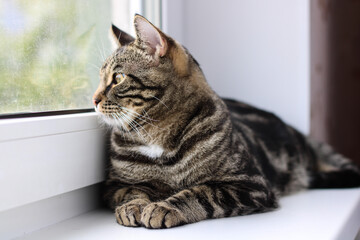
50 52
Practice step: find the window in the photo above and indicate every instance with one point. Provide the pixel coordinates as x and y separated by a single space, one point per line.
54 160
51 51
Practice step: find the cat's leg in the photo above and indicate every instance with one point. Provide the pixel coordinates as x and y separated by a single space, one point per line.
208 201
128 203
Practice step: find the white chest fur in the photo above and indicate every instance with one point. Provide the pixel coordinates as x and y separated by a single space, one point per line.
151 151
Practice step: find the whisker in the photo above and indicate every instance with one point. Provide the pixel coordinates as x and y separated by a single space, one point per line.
106 52
147 115
160 101
129 121
122 120
100 53
138 114
141 127
138 117
117 119
94 66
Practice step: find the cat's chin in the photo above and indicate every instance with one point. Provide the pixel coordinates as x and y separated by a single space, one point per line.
107 120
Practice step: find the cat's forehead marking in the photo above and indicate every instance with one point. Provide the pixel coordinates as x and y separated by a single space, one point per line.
108 62
127 59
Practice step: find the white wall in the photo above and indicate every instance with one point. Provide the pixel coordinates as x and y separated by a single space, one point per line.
256 51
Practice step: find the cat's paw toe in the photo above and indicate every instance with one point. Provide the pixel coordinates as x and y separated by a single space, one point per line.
161 215
129 214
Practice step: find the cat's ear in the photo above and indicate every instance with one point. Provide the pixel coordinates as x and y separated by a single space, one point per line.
120 38
150 36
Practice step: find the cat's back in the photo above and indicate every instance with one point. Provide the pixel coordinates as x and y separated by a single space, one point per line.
277 147
262 128
261 122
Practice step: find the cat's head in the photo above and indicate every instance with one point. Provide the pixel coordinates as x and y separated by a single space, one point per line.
146 78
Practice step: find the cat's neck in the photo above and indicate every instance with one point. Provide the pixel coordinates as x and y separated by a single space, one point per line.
170 130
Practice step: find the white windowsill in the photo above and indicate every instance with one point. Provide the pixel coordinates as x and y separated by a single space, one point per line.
43 157
315 214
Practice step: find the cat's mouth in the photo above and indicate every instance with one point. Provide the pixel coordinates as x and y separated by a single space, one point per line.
126 119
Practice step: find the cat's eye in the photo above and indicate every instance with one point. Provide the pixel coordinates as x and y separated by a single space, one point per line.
120 77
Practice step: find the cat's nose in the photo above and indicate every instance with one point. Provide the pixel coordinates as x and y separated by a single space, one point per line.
97 97
96 101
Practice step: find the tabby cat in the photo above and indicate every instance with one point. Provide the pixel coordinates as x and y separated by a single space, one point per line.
181 154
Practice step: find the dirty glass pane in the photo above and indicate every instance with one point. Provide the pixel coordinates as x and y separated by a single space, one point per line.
51 51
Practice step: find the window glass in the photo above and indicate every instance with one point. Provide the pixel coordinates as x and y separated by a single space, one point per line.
51 51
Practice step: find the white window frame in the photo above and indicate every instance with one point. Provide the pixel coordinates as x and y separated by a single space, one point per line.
42 157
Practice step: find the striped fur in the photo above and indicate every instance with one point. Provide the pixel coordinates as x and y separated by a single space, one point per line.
181 154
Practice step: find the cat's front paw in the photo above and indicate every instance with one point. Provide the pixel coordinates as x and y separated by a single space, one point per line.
161 215
129 214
